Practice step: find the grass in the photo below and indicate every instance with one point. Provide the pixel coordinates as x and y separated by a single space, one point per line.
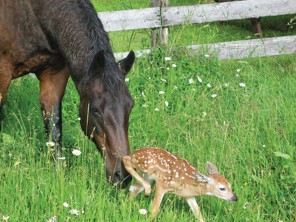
248 132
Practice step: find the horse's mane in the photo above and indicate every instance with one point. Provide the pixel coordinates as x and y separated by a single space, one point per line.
92 38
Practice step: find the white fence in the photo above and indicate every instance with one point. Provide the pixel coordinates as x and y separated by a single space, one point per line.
159 17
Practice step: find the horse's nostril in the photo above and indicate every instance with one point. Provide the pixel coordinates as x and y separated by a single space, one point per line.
117 175
120 180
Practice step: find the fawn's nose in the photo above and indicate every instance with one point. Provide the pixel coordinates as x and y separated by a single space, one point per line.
234 198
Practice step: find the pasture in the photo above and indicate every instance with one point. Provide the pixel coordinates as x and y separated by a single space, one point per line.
238 114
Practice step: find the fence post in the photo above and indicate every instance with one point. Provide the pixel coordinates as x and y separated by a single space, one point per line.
159 36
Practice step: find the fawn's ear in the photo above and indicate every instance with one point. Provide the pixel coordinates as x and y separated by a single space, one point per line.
211 168
201 178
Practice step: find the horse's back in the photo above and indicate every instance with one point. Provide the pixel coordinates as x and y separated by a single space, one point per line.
23 43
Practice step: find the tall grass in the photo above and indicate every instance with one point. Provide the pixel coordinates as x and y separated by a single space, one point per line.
237 114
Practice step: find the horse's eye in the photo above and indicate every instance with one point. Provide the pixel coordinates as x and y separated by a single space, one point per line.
96 112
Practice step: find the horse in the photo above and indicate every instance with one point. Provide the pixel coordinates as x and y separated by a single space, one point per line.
56 40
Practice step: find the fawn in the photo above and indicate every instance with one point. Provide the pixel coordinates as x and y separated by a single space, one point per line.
174 175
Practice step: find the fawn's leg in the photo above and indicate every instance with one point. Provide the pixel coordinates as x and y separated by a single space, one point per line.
127 161
138 187
195 208
53 82
159 193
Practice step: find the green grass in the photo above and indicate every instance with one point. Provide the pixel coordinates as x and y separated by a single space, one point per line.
248 132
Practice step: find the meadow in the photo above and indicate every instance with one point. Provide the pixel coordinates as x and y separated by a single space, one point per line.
238 114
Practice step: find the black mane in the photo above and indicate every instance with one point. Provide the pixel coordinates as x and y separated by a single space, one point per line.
75 29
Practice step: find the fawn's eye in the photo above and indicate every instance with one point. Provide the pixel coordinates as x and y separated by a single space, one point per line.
222 188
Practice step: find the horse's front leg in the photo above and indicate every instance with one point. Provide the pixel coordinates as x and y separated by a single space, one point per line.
52 89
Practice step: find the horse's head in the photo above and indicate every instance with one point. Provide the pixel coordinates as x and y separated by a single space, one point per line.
104 110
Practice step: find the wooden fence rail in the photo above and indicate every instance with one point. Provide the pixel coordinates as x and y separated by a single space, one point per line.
168 16
159 17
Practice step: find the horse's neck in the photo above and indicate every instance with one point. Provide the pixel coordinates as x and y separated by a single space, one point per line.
74 30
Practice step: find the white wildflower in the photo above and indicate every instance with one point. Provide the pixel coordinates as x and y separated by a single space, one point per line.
65 204
204 114
199 79
145 105
214 95
174 65
143 211
166 103
209 85
226 84
238 70
17 163
161 92
168 68
50 144
163 80
76 152
191 81
79 118
243 85
143 94
74 212
5 218
167 58
52 219
156 109
207 55
126 79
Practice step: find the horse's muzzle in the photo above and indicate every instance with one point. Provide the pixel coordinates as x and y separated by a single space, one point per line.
121 179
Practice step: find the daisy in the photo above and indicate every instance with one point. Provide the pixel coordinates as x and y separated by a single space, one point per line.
52 219
50 144
143 211
243 85
74 212
5 218
76 152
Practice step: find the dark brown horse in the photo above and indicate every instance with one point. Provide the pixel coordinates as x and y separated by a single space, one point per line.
52 38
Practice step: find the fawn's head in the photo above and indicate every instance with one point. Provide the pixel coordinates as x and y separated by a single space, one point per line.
217 185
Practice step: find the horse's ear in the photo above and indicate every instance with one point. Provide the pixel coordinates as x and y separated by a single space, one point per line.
98 62
126 64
